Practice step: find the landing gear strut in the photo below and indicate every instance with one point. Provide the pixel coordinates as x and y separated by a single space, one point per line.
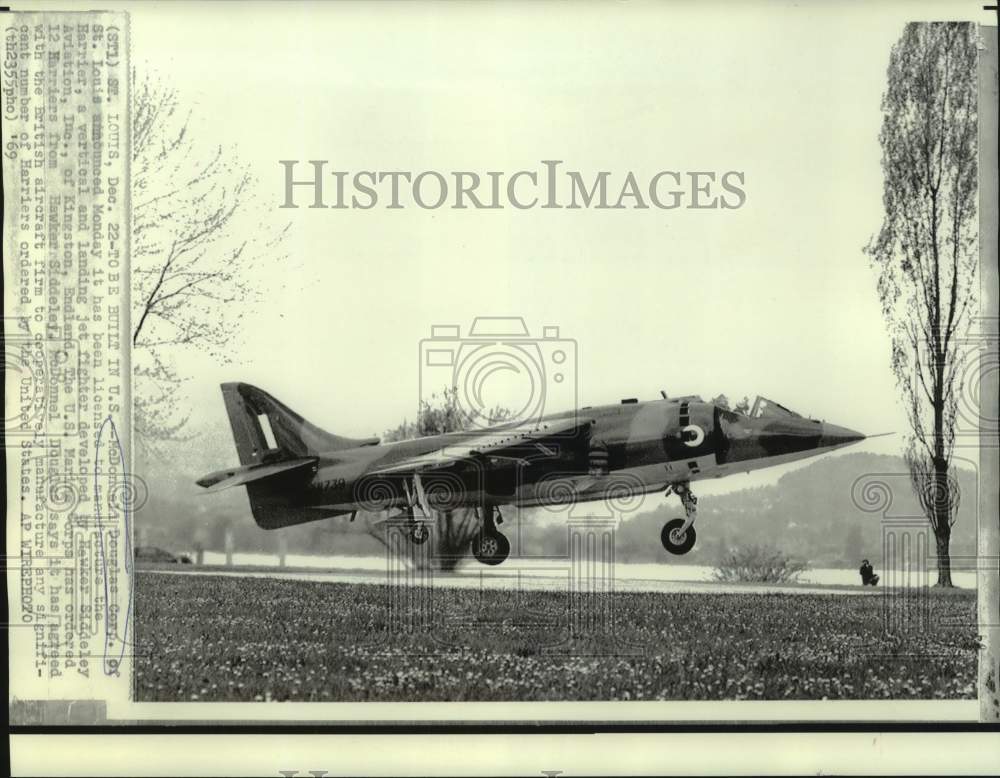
419 531
678 535
489 546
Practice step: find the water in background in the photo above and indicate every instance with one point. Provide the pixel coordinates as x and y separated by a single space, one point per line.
624 571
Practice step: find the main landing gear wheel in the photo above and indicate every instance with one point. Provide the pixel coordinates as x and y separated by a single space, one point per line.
490 548
675 538
419 534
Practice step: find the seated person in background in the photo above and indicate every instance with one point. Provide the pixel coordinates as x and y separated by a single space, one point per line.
868 576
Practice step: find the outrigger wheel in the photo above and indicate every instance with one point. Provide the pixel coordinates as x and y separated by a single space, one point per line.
675 538
419 534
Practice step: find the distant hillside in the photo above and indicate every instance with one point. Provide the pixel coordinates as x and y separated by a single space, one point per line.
809 513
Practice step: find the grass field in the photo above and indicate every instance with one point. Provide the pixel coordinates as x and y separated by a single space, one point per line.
218 638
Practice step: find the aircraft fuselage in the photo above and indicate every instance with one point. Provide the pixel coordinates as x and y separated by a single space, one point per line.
634 446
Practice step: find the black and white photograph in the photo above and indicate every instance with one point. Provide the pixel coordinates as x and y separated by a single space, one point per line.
493 363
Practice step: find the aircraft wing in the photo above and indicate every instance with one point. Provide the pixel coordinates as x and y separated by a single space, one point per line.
517 443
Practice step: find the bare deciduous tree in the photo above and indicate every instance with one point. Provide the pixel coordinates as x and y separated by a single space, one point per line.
925 254
198 231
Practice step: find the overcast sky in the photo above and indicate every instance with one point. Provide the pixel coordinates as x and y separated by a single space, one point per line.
775 297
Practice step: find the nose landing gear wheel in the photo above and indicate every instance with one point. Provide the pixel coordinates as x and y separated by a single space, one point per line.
490 548
675 539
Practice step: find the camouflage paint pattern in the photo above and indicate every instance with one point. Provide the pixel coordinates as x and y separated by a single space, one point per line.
297 472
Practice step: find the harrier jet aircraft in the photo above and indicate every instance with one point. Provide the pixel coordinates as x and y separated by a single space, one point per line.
295 472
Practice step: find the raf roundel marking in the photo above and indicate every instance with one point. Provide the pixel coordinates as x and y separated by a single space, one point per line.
699 435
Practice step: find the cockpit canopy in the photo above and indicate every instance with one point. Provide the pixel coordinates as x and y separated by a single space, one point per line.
764 408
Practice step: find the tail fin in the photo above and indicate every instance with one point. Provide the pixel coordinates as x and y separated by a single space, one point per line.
265 430
279 453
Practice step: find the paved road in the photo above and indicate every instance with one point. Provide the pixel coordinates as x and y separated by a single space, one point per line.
512 578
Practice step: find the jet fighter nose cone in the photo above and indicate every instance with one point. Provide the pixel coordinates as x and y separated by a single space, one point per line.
832 435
